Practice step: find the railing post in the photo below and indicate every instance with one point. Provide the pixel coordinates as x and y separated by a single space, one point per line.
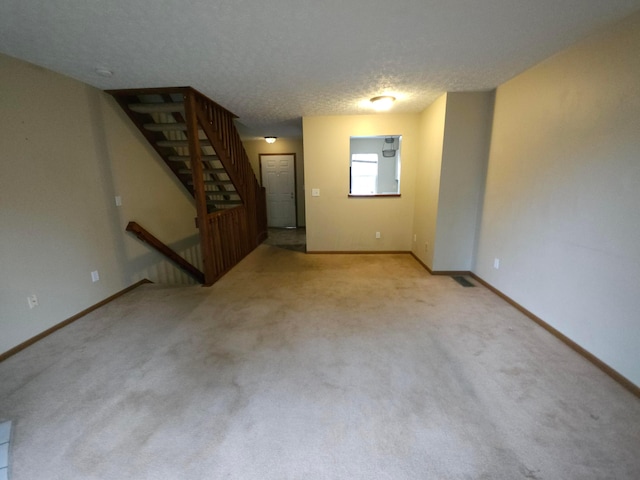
206 237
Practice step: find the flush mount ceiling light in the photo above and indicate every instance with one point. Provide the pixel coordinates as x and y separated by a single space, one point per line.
104 72
383 102
270 139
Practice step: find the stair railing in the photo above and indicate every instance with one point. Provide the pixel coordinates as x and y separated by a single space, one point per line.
226 235
144 236
250 228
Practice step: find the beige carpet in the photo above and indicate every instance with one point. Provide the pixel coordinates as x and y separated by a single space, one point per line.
301 366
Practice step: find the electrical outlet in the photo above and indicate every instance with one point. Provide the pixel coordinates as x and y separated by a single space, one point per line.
496 263
95 276
377 234
32 300
118 201
315 192
415 237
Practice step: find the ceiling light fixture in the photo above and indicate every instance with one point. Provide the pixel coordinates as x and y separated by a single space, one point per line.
383 102
270 139
104 72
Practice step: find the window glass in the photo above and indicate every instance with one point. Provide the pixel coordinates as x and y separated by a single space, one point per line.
364 173
374 166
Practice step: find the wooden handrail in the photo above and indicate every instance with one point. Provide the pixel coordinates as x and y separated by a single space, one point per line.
217 123
148 238
226 236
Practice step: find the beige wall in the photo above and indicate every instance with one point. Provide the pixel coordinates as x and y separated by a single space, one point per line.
66 152
562 202
336 222
283 145
453 149
427 180
464 164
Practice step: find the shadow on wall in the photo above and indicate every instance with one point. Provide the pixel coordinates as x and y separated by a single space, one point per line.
152 265
106 178
155 267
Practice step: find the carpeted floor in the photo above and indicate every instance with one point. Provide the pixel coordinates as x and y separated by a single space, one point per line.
294 239
312 367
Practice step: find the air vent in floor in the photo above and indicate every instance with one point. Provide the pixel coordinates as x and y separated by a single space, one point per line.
462 281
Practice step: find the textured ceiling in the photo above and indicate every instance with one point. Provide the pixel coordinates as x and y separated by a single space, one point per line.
273 61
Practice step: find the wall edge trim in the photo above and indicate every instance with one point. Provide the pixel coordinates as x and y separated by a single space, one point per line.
448 273
424 265
611 372
64 323
358 252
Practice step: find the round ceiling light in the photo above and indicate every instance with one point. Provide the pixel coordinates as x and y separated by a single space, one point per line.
104 72
383 102
270 139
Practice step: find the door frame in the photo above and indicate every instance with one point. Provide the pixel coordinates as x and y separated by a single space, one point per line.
295 177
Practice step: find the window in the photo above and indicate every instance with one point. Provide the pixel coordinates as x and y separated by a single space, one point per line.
364 173
375 166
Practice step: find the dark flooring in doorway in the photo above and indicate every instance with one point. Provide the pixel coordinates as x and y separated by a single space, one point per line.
288 238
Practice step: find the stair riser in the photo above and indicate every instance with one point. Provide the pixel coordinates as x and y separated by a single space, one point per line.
185 159
157 107
165 127
180 143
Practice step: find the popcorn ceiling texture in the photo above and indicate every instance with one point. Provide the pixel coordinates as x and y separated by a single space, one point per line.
273 62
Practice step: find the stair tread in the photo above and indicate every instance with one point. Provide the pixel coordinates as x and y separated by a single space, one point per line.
211 193
156 107
165 127
181 143
187 171
224 202
187 158
215 182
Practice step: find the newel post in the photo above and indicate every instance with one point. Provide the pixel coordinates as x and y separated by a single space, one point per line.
206 235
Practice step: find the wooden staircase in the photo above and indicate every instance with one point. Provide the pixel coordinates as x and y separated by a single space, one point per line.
198 141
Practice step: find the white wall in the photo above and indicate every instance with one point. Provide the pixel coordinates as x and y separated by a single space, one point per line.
67 150
562 202
337 222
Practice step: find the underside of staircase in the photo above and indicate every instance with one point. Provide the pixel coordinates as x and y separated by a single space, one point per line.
198 141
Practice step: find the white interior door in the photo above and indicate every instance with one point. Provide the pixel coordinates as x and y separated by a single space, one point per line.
278 179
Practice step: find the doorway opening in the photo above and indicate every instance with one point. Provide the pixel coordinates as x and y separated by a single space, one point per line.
278 177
